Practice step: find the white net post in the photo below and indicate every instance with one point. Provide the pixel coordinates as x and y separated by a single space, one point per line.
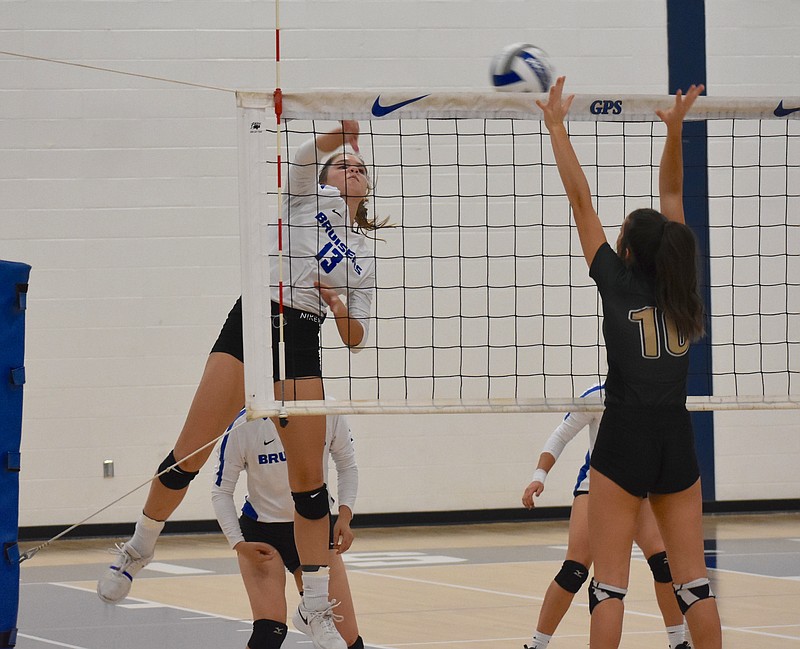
254 177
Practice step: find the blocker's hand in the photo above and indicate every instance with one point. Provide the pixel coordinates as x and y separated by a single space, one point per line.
682 105
556 107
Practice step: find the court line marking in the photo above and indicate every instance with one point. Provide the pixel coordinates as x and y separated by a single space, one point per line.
174 569
487 590
46 641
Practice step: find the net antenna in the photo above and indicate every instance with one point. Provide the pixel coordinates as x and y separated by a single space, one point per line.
483 300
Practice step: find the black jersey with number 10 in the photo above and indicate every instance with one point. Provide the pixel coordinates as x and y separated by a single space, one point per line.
648 360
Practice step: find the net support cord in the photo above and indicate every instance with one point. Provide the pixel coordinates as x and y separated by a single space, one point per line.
30 552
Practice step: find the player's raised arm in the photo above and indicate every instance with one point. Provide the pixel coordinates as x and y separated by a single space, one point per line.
670 173
590 230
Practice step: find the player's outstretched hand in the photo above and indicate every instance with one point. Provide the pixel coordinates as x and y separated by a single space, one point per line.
683 103
535 488
556 107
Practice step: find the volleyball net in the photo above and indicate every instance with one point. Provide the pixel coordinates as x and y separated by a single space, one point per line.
483 300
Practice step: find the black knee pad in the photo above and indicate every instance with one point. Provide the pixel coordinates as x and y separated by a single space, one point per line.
601 592
312 504
571 576
176 478
267 634
692 592
659 566
358 644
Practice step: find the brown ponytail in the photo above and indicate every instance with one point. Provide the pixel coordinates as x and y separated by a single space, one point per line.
677 282
666 251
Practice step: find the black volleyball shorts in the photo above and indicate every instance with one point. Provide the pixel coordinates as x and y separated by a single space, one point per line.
300 334
647 450
279 535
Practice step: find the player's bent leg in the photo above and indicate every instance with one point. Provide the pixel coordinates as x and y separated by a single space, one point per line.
217 402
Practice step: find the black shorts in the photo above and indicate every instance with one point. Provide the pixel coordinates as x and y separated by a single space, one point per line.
230 339
300 334
646 450
301 339
279 535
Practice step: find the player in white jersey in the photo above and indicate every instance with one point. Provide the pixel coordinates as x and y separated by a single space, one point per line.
575 568
326 258
263 534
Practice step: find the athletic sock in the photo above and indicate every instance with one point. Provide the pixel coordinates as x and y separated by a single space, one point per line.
358 644
676 635
540 640
315 589
145 536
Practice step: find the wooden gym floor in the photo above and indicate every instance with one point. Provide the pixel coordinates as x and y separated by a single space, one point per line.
434 587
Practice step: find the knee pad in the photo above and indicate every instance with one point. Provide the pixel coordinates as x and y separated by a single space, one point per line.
659 566
267 634
358 644
571 576
692 592
176 478
312 504
601 592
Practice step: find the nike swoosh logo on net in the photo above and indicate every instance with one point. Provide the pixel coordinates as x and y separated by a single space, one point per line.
780 111
382 111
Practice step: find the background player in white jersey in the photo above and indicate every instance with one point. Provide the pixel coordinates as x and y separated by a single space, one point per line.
263 536
575 568
329 258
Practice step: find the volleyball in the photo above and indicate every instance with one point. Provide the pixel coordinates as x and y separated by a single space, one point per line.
522 67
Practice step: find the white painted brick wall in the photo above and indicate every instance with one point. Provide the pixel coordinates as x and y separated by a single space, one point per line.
121 193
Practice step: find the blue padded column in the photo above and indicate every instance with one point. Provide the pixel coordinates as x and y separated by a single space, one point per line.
13 294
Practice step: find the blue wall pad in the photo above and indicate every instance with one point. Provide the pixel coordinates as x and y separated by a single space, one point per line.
13 300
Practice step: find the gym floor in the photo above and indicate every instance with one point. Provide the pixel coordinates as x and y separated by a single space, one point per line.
433 587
